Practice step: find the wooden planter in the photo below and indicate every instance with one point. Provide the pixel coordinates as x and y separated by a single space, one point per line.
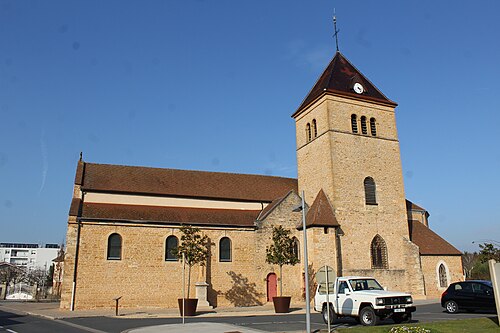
189 306
282 304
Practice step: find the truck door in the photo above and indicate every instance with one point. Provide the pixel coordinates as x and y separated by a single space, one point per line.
344 301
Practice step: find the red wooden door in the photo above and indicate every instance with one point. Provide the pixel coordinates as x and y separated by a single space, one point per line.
272 286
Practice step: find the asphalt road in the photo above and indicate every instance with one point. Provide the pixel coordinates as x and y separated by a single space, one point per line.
19 323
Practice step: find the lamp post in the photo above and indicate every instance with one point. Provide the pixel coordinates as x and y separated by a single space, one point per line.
302 208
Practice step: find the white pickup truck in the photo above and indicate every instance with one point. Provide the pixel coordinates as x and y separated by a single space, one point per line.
362 298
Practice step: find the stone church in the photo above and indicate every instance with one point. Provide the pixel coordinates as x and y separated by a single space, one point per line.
124 220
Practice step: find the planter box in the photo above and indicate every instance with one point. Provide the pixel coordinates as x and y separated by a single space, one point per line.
282 304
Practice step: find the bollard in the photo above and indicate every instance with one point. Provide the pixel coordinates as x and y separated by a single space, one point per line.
116 307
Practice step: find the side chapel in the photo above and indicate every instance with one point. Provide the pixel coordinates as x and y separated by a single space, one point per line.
124 220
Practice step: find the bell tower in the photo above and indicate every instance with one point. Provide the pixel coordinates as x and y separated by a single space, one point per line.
347 146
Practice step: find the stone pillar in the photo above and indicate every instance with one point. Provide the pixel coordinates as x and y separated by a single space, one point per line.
201 295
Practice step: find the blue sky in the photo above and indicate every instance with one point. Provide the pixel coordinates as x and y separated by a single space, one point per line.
210 85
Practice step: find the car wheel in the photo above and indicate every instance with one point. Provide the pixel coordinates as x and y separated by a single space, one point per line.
451 306
324 314
368 317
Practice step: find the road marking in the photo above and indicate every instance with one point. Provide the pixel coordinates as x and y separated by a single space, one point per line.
7 329
85 328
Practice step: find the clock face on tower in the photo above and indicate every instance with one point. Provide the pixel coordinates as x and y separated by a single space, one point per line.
358 88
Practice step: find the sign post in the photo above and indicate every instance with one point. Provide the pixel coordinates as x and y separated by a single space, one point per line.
495 279
324 275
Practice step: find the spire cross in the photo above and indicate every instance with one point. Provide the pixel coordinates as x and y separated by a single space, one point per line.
336 32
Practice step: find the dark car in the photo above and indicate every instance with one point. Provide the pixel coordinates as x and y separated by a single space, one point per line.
468 296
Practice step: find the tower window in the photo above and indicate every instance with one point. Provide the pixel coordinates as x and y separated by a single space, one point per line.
170 247
370 191
379 253
114 247
373 127
314 129
225 249
308 132
354 123
364 130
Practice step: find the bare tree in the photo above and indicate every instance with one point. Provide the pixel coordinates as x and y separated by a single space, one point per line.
11 274
469 261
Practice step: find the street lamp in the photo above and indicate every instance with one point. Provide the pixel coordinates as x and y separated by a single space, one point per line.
302 207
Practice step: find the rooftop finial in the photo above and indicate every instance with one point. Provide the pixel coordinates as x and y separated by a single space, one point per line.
336 32
81 156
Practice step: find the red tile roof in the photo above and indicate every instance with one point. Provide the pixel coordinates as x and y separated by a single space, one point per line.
429 242
183 183
412 206
339 78
169 215
321 213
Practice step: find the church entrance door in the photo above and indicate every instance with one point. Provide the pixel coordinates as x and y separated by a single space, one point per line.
272 286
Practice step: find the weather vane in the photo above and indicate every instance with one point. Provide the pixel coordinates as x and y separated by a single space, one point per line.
336 32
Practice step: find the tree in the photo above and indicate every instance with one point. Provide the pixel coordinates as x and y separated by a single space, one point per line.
195 249
469 261
488 251
11 274
281 252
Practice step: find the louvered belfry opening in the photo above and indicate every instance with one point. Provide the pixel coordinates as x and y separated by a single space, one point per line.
364 129
373 127
370 191
354 123
379 253
308 132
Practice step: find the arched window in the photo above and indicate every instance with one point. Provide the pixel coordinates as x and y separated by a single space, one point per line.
314 129
363 125
225 249
308 132
370 191
373 127
114 247
354 123
295 248
170 247
379 253
443 278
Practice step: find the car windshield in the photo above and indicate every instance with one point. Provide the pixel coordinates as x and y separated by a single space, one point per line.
365 284
489 284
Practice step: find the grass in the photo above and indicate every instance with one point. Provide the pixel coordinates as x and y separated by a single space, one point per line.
477 325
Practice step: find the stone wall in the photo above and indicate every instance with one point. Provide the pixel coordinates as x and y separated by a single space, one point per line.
430 267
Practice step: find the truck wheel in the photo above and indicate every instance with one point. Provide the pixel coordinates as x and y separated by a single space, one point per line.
451 306
368 317
333 316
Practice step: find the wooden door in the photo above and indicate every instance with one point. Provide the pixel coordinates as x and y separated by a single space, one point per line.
272 286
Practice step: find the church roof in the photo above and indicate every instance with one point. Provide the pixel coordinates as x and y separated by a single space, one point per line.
181 183
321 213
169 215
429 242
412 206
338 79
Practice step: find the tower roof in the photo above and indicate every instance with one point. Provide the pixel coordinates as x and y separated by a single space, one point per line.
339 78
321 213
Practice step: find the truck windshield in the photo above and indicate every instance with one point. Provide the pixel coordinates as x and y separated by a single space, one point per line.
365 284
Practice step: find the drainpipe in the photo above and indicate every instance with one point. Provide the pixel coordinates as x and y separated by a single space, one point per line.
338 233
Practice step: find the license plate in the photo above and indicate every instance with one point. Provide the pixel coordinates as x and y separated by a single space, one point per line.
399 310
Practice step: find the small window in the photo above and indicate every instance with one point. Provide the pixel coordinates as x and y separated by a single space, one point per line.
373 127
225 249
364 130
114 247
308 132
379 253
295 248
170 248
354 123
443 279
314 129
370 191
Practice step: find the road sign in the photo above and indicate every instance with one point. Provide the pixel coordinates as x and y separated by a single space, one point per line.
322 272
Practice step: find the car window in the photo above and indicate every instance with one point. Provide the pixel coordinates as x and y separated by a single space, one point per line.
343 287
457 287
466 286
480 288
365 284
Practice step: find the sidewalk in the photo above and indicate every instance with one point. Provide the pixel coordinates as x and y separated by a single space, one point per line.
51 310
